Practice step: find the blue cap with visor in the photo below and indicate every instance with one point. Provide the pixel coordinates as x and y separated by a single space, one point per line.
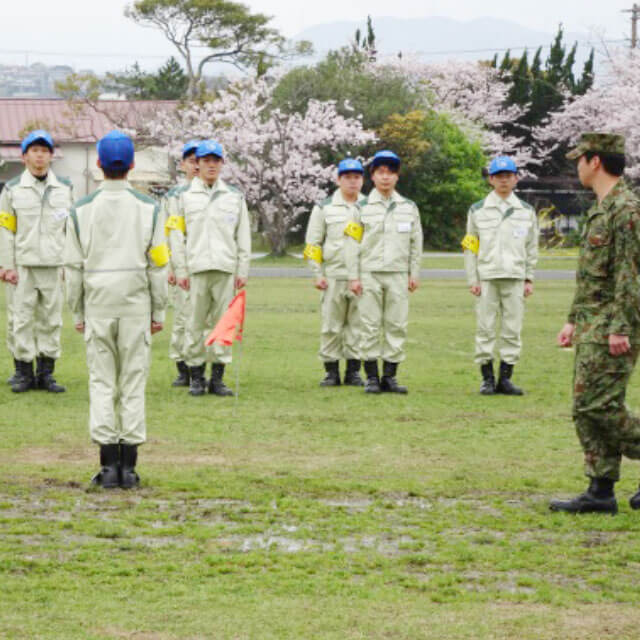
189 147
385 157
115 151
209 148
349 165
39 135
502 163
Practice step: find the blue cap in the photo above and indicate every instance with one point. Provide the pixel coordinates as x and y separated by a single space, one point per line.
385 158
350 165
209 148
39 135
189 147
115 150
502 163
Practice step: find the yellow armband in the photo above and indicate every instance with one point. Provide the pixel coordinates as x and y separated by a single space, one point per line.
354 230
8 221
159 255
175 222
313 252
472 243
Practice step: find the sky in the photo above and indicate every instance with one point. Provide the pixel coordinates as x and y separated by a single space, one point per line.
94 34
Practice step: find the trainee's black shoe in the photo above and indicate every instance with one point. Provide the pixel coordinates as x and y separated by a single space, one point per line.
505 386
197 383
389 384
352 374
183 375
12 380
44 375
488 386
25 380
372 385
128 459
332 379
634 500
109 475
216 386
598 498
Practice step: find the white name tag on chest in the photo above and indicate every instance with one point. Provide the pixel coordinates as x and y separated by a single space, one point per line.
60 214
520 232
404 227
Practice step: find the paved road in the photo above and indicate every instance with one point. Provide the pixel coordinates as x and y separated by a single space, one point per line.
427 274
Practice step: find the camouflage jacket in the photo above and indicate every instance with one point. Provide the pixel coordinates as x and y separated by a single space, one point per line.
607 297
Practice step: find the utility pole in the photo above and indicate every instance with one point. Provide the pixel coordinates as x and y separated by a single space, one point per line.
635 16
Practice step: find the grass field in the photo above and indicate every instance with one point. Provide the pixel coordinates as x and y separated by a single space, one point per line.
300 512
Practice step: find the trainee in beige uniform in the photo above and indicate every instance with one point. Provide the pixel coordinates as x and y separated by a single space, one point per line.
324 250
501 252
383 253
115 259
33 213
211 245
177 344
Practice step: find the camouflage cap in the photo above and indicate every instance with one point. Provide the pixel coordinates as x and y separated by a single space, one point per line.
603 142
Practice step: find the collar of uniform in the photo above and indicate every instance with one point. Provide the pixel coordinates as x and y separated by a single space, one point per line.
29 180
375 196
339 201
115 185
198 184
494 200
617 189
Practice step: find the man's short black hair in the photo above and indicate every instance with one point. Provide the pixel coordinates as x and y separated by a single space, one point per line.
115 174
613 163
191 152
394 167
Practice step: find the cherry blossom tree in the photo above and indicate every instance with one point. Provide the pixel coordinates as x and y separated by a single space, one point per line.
276 158
613 106
474 96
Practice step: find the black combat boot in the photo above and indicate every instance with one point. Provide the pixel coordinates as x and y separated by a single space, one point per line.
598 498
372 385
332 379
634 500
197 383
216 386
183 375
128 458
25 379
389 383
44 375
505 385
352 374
109 476
488 386
14 377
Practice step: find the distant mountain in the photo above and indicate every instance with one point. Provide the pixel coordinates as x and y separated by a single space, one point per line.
438 39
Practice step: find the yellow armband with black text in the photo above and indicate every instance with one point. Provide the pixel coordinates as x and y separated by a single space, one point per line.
8 221
472 243
354 230
175 222
159 255
313 252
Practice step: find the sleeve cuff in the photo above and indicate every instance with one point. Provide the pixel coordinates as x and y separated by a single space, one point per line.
78 318
158 316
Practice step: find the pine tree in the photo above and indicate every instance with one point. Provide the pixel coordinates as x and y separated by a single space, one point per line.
521 86
586 81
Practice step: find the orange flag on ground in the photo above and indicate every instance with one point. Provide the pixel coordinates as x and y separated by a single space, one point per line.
229 327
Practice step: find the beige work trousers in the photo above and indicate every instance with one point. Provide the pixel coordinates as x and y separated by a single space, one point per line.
340 330
177 344
500 299
37 313
118 357
384 315
209 296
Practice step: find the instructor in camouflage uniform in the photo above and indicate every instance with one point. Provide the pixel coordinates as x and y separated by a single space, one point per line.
324 251
604 324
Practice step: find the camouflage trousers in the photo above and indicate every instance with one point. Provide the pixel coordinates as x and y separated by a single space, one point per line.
605 427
